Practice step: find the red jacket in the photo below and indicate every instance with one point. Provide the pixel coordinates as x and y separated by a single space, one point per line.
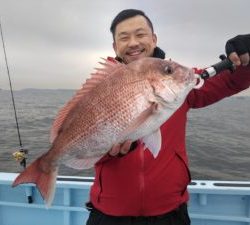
138 184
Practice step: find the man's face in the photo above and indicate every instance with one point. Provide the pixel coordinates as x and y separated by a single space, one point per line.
134 39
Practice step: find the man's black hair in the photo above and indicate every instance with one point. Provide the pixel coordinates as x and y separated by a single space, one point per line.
126 14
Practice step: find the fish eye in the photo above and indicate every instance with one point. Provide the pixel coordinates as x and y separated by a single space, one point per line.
168 70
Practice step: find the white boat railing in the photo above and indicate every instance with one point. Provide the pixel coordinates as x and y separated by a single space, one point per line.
211 202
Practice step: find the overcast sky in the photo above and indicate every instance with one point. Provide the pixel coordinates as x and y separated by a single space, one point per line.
57 43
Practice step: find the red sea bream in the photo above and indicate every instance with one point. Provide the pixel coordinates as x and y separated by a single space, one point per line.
118 103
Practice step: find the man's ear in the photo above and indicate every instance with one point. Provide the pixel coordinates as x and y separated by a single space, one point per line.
155 39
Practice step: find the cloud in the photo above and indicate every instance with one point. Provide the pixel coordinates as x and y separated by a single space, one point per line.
55 44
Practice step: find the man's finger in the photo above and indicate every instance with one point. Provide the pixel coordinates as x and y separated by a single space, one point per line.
235 58
245 59
115 150
125 147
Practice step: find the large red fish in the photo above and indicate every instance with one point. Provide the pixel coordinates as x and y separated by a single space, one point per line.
118 103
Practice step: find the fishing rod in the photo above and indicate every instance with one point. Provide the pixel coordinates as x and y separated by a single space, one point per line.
224 64
21 154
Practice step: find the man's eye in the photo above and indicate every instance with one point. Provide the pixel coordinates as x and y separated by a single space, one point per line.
123 38
141 35
168 70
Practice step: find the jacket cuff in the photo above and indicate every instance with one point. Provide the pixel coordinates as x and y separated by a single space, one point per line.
241 77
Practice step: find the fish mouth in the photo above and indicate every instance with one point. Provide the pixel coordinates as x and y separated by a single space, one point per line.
194 80
199 81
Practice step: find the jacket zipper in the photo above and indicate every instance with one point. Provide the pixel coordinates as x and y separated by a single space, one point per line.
142 179
100 182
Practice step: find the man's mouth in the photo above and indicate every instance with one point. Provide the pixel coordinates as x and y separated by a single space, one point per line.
135 52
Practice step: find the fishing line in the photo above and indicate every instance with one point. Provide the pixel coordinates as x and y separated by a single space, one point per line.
20 155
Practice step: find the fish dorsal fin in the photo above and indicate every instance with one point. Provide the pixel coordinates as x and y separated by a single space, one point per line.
153 142
110 65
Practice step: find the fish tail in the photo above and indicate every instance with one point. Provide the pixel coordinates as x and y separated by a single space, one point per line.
45 180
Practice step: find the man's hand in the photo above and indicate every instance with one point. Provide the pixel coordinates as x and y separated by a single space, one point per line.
120 149
238 50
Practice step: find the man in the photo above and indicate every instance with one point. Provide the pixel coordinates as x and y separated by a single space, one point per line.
131 187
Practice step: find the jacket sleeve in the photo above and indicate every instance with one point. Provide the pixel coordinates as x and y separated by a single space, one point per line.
220 86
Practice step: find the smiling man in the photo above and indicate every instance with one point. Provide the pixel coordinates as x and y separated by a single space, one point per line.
134 38
132 187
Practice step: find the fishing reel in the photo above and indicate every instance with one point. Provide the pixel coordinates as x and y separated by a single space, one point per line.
21 156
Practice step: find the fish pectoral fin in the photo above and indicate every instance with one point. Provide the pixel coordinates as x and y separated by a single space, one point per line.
153 142
81 163
137 122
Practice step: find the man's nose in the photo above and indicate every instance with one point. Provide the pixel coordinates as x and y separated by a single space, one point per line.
133 41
